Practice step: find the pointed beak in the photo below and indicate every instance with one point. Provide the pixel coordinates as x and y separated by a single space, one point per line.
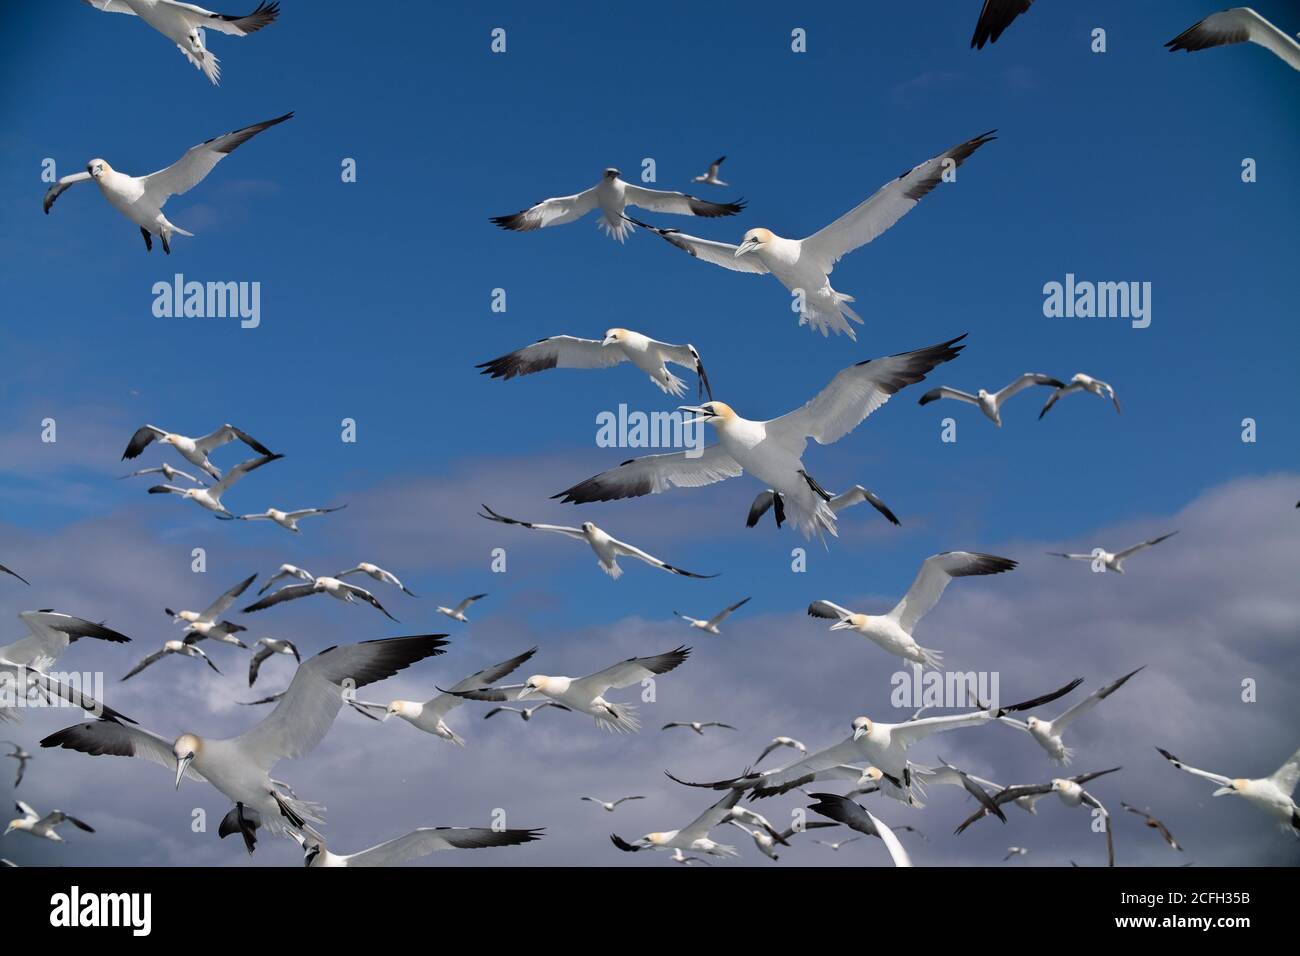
842 625
607 340
387 714
749 245
859 733
181 766
524 693
1223 792
701 414
9 829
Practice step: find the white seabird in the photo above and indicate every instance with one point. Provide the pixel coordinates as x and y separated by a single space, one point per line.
777 743
882 746
1113 561
430 715
845 811
711 624
1237 25
1072 794
804 266
1273 794
1014 851
1048 732
340 590
711 177
893 631
525 713
837 845
609 805
49 633
585 694
167 471
44 826
697 725
210 498
413 845
772 451
457 613
193 450
285 571
289 519
837 503
766 842
171 647
608 548
239 767
23 758
201 625
185 25
266 648
694 836
995 17
990 403
377 573
141 198
1082 383
619 345
611 196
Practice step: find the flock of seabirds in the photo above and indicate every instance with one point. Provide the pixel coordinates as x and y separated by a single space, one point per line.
875 756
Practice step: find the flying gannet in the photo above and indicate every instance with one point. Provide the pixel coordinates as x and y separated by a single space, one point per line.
609 805
1113 561
852 815
340 590
285 571
167 471
43 826
804 266
1082 383
766 843
430 715
377 573
204 624
15 574
995 17
1015 851
585 694
210 498
457 613
990 403
193 450
1153 824
185 25
525 713
1237 25
772 451
608 548
711 625
837 845
619 345
239 767
289 519
23 758
413 845
1072 794
694 836
837 503
1048 732
49 633
267 647
711 177
612 195
893 631
141 198
882 746
696 725
1273 794
171 647
777 743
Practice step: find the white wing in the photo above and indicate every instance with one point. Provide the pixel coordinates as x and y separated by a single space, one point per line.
550 212
190 170
632 551
1023 382
239 471
706 250
855 393
533 526
631 671
716 815
109 738
219 606
678 203
890 203
443 704
905 735
1216 778
1145 544
558 351
428 840
1286 776
225 435
1237 26
933 578
50 633
1091 701
55 191
654 474
725 612
308 708
232 25
460 608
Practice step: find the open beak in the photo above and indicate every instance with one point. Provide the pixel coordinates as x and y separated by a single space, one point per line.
842 625
527 691
1223 792
701 414
181 766
749 245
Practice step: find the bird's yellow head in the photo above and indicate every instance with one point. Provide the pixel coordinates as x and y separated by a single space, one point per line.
185 749
862 727
717 413
403 708
871 775
614 336
754 239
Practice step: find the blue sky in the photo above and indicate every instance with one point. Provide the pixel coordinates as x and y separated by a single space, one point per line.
1123 166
